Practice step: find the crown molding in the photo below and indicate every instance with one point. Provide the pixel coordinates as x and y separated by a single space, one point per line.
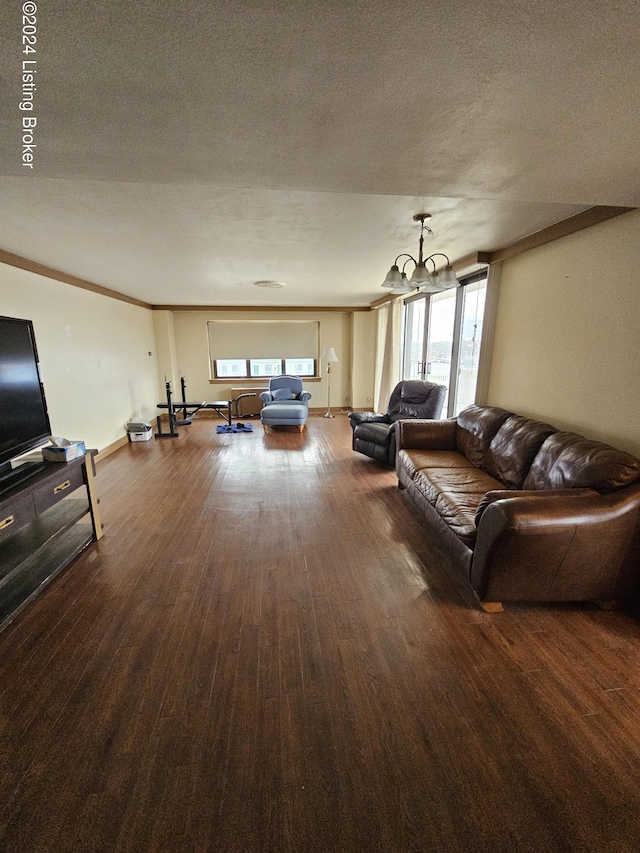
48 272
585 219
338 309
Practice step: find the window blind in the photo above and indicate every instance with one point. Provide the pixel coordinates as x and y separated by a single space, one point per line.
263 339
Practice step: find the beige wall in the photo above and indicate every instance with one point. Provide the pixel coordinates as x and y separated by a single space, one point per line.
363 364
191 348
94 355
567 340
166 357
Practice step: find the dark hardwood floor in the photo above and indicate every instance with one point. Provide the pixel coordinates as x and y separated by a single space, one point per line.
266 653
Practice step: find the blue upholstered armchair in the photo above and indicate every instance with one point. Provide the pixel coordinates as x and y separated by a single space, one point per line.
285 389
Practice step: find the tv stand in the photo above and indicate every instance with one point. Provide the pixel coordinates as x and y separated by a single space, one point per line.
45 522
14 476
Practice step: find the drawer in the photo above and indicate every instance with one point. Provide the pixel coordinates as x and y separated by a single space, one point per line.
56 488
14 514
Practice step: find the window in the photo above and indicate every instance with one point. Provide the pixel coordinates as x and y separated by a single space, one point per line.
441 321
474 297
443 332
263 348
240 368
300 366
231 367
265 366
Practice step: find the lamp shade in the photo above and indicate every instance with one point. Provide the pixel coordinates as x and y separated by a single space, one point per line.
420 275
433 285
393 277
403 287
447 278
330 355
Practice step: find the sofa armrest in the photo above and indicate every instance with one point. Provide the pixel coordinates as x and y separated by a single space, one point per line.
502 494
421 434
304 397
579 546
266 397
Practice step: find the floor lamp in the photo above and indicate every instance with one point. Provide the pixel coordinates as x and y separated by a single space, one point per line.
329 355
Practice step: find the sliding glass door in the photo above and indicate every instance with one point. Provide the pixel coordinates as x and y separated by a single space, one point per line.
414 339
442 307
474 297
443 332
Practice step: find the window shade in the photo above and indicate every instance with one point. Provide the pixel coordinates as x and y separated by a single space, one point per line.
263 339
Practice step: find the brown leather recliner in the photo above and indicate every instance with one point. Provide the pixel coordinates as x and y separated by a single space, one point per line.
374 433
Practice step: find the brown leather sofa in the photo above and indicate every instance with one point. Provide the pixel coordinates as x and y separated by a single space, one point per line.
530 513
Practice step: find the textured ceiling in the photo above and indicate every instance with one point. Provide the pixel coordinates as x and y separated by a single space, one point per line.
187 150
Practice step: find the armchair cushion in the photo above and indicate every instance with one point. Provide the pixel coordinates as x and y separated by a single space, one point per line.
283 394
415 398
377 433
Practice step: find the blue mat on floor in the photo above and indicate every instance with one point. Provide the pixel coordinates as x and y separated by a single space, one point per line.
235 428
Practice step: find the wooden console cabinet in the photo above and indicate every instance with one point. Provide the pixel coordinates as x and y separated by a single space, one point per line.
44 523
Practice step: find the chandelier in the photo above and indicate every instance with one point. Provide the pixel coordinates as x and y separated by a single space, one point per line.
422 277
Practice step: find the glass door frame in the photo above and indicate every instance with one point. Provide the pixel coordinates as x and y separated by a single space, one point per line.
455 351
456 344
408 338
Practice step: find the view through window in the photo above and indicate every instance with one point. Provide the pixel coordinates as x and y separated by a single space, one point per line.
442 336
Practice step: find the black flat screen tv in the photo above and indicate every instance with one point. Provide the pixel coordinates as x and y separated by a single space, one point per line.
24 419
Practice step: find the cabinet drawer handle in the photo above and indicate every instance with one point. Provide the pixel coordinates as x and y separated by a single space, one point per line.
6 522
62 487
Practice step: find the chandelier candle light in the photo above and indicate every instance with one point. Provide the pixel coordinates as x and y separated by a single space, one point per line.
422 277
329 355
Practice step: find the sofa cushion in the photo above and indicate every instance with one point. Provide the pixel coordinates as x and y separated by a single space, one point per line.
414 460
455 495
477 425
513 449
569 461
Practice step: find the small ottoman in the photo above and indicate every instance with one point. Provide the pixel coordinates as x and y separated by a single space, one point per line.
284 414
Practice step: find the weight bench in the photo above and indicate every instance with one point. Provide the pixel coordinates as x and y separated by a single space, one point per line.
222 407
